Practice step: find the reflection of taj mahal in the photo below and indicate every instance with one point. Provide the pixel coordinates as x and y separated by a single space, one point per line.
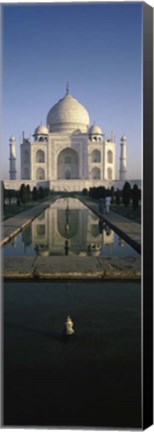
68 154
49 232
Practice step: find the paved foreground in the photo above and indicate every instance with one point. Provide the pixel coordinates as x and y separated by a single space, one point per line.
72 267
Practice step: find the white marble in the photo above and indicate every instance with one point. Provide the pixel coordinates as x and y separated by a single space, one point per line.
68 153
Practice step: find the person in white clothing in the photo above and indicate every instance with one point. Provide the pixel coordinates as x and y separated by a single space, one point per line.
107 203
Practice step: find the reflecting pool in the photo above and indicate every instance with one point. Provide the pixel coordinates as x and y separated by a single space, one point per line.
67 227
94 379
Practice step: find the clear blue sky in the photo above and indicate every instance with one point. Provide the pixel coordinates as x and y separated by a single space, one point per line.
97 47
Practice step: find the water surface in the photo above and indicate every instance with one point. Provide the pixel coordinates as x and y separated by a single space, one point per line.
68 227
93 380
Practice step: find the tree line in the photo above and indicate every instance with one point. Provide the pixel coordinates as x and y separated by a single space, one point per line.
125 196
24 195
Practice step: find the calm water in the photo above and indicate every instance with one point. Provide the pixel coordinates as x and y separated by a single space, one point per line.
93 380
68 227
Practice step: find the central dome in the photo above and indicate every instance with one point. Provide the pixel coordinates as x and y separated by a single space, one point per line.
68 115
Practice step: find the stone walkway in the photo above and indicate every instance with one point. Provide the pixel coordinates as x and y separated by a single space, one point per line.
12 226
72 267
126 228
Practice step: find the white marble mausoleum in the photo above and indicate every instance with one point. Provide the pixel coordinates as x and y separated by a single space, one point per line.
68 153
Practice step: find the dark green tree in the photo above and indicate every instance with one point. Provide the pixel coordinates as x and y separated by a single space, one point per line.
85 191
35 194
112 194
3 194
103 192
28 194
135 197
108 192
18 199
23 193
97 192
10 195
117 196
126 194
41 193
46 191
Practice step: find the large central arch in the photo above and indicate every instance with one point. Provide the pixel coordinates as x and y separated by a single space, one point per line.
68 164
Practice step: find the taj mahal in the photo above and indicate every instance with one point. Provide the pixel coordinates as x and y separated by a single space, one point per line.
68 153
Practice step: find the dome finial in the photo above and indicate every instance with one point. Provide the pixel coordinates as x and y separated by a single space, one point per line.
67 88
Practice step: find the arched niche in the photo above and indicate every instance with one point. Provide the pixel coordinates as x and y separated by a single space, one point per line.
68 164
96 156
40 174
96 173
40 157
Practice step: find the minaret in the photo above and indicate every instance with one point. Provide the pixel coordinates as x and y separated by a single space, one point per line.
12 158
123 160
